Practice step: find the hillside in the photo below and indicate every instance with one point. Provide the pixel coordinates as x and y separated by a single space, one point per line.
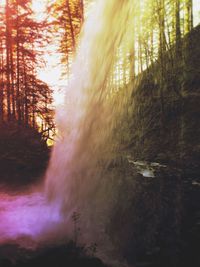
166 132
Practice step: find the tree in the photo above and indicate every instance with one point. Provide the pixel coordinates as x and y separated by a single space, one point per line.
23 96
68 19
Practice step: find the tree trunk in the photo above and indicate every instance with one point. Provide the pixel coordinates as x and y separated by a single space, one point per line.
18 95
8 60
162 50
26 111
188 15
82 11
1 83
12 86
71 25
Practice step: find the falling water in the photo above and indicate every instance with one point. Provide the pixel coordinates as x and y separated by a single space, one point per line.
91 111
77 179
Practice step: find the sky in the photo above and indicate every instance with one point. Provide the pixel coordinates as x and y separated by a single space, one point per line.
196 11
52 72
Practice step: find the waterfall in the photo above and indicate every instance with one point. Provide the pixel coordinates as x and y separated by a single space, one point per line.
76 179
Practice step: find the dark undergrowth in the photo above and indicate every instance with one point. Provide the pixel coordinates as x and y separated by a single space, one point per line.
23 155
61 256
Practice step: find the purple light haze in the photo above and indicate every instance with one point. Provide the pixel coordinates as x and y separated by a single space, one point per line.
28 218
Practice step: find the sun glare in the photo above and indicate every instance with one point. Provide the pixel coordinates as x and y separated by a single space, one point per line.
2 2
39 8
51 73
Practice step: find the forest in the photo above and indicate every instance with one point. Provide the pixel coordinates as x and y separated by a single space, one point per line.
104 159
27 100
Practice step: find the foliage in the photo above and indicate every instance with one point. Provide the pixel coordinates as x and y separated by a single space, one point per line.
23 97
68 19
63 255
23 154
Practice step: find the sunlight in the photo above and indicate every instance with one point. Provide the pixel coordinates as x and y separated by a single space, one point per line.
196 11
39 5
51 73
39 8
2 2
112 86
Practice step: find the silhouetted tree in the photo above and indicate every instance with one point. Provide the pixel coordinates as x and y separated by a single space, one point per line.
23 96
